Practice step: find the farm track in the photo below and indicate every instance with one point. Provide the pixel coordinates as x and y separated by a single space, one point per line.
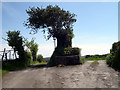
79 76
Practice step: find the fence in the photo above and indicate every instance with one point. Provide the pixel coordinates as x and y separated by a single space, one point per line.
8 54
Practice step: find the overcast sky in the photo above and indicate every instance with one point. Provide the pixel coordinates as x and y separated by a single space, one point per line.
95 31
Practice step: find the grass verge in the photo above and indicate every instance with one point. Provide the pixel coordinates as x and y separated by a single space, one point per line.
95 62
11 66
34 62
87 59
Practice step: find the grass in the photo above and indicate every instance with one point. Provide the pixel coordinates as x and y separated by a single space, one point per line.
87 59
3 72
82 60
12 66
95 62
43 63
34 62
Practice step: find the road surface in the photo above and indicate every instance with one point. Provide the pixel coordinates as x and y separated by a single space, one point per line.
87 75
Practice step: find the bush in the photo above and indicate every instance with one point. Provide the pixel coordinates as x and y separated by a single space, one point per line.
13 65
113 59
40 58
28 58
71 51
17 63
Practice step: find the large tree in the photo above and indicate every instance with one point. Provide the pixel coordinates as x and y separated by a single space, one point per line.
57 22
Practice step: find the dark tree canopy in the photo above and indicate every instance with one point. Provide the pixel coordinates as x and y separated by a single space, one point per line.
57 22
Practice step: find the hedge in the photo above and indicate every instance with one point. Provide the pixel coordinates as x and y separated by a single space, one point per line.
113 59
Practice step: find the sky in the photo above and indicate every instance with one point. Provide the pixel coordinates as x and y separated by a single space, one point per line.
95 30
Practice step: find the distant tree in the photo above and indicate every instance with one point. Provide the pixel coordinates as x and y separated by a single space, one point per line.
56 21
16 42
40 58
87 56
33 48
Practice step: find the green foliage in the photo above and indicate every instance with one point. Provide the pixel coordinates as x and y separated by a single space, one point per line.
40 58
34 62
33 48
16 64
12 65
82 61
3 72
113 59
43 63
28 59
71 51
52 18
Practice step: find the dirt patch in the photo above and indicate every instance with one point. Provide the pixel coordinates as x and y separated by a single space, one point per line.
78 76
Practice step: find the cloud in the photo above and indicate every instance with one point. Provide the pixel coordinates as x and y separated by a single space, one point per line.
46 49
2 46
86 49
91 49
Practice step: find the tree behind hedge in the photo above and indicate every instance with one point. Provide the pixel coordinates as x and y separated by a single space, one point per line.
40 58
33 48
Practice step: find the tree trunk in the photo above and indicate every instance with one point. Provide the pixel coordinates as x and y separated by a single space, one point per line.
63 43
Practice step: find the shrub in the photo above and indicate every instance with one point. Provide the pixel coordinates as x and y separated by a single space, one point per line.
113 59
28 58
71 51
40 58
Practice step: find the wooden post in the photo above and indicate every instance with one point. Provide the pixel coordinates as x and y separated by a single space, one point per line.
10 55
6 56
15 54
3 53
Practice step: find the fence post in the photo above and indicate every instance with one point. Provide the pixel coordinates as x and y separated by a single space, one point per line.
3 53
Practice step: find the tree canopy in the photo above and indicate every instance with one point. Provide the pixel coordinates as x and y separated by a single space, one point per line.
57 22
